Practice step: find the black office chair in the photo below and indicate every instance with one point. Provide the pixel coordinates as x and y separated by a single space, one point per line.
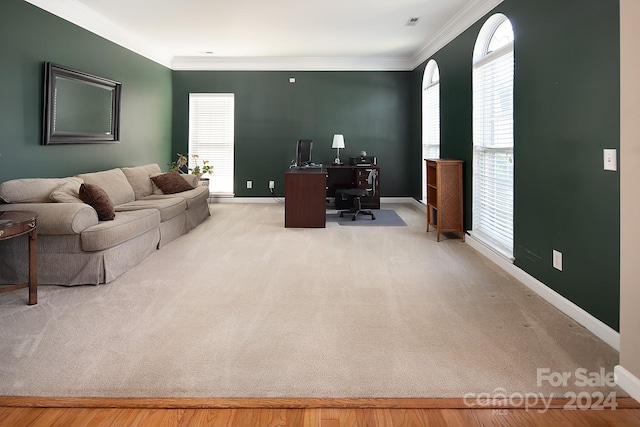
357 194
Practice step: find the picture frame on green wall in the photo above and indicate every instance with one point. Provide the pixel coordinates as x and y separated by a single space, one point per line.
79 107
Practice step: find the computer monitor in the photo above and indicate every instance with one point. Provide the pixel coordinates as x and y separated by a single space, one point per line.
303 152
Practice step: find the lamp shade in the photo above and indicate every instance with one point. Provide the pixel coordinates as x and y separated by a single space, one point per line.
338 141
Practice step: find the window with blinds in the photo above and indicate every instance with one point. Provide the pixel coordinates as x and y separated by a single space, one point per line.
211 137
493 159
430 118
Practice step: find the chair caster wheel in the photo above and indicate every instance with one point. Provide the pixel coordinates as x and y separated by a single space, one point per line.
341 215
353 218
373 217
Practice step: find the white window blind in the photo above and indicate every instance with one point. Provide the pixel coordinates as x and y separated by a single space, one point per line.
493 159
431 123
211 137
430 118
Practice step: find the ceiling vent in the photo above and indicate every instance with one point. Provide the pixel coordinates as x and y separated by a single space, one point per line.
412 22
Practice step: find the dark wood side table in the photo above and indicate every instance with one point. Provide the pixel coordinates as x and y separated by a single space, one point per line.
14 224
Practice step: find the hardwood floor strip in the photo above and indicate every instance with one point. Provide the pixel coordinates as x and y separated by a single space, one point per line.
314 417
301 403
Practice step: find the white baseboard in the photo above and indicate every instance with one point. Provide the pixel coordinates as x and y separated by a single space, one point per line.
418 204
396 199
627 381
230 199
214 199
597 327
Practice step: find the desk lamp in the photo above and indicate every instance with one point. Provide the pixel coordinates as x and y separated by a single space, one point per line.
338 143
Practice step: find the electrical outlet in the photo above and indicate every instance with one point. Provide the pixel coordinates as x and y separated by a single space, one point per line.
557 260
249 184
272 185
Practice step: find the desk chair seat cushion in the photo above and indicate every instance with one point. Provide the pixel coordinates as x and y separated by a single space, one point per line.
356 192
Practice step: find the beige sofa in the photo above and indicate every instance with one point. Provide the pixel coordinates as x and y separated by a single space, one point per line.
74 247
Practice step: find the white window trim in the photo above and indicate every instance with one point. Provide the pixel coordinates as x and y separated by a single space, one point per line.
223 168
481 58
429 84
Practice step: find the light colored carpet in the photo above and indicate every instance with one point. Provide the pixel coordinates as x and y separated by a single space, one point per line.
242 307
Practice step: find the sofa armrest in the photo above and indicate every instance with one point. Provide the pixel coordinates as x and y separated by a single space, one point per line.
58 218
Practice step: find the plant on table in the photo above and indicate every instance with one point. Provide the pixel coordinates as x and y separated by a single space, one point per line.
181 165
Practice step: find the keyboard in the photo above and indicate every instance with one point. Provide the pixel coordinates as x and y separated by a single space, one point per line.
310 166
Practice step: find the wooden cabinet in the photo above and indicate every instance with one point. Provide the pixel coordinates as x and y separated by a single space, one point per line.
444 196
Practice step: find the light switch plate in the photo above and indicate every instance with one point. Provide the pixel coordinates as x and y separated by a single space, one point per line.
610 159
557 260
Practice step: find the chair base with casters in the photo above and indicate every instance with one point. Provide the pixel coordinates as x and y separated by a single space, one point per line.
356 210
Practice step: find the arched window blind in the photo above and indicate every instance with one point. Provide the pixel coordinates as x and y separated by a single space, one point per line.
211 137
493 159
430 117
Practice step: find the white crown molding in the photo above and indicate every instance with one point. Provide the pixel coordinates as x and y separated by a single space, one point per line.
77 13
461 21
292 63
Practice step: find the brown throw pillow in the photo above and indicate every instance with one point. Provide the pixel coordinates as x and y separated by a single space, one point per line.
98 199
171 183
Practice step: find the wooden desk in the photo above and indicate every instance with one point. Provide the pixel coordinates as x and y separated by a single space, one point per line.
304 198
339 177
18 223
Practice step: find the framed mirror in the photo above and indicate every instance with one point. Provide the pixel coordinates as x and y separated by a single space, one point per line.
79 107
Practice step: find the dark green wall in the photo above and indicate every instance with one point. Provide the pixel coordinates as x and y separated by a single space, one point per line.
566 111
29 36
371 109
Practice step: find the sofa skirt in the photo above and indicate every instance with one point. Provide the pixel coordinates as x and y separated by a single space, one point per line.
196 214
75 268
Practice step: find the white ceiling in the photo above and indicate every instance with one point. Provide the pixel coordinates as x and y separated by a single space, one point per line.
276 34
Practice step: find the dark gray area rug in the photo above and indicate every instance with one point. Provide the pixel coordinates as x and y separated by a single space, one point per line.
384 217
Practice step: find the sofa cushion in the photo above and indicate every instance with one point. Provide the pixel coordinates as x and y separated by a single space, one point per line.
32 190
67 193
171 183
125 226
168 206
113 182
193 197
139 178
96 197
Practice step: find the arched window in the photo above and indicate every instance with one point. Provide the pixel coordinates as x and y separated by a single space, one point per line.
430 117
493 160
